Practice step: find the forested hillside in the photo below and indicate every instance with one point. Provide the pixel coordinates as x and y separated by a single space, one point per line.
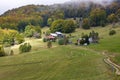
91 14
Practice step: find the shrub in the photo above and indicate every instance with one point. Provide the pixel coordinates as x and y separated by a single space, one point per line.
112 32
86 39
66 40
49 44
26 47
76 43
82 42
61 41
44 40
2 52
11 52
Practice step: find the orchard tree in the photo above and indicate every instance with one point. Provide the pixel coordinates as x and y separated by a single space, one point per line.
97 17
86 23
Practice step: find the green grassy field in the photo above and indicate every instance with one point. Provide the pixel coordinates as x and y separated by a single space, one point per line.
64 62
60 63
109 44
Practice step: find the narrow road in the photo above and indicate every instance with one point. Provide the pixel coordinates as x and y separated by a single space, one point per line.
108 61
113 65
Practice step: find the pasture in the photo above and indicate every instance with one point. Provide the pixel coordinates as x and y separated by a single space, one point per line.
68 62
60 63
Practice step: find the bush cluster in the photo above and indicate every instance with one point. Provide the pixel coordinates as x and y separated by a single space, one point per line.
61 41
26 47
2 52
49 44
112 32
45 40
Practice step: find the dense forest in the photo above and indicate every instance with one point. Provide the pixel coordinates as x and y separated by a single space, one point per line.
90 14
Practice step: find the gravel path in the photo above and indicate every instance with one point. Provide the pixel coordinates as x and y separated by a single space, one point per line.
112 64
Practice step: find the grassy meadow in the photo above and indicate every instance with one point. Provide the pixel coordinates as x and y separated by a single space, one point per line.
106 42
64 62
60 63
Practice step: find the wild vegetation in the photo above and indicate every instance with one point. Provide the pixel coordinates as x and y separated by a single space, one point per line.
2 52
32 31
10 37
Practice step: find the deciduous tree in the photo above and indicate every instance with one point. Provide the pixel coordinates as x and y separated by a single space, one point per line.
86 23
97 17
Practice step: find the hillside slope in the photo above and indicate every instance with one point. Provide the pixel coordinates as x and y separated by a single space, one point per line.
61 63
